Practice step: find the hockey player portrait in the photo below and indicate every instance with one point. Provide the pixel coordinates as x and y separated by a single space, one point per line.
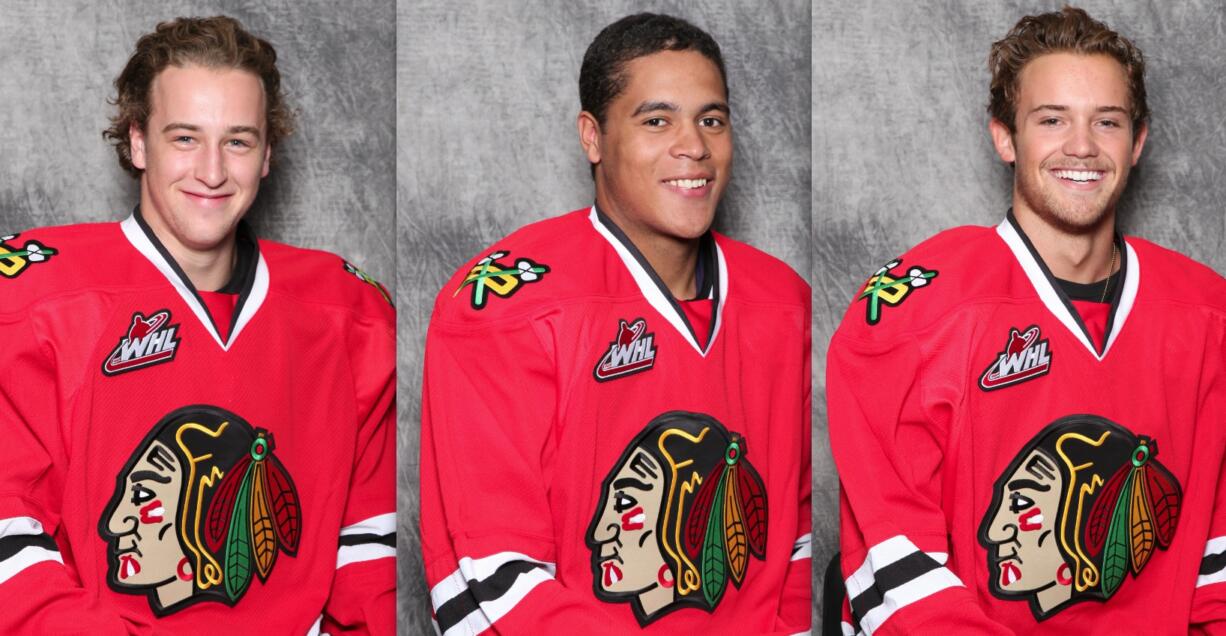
615 415
199 423
1026 418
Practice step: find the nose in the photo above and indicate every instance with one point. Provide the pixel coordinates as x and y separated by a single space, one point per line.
1080 141
606 528
690 143
121 522
1002 528
211 167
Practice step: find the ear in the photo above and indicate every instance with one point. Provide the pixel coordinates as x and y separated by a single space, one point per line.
1138 142
267 160
1002 139
589 136
136 146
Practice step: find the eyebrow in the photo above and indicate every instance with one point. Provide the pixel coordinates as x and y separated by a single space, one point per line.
618 484
233 130
1061 108
1017 484
142 475
648 107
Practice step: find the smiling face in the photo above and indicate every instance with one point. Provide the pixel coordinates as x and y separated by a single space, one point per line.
663 155
1023 532
203 152
626 557
1074 144
144 545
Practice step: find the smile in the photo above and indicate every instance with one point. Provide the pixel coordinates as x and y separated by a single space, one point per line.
128 566
612 574
1009 574
687 184
1079 176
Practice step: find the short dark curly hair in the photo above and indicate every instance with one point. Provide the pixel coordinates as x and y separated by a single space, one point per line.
1070 30
216 42
602 77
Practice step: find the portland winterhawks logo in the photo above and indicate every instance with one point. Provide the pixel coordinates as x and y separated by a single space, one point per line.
632 351
1025 358
202 508
368 279
489 276
16 259
1084 503
149 341
885 287
679 516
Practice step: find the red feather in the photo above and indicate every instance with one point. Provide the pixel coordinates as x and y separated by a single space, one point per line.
1164 500
753 504
283 501
221 508
700 511
1099 520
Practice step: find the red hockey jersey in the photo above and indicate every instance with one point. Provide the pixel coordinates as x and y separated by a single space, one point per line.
592 465
1003 471
164 474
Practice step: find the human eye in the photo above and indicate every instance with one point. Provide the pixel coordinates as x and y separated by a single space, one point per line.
140 494
1110 123
712 121
1019 502
655 122
183 140
623 502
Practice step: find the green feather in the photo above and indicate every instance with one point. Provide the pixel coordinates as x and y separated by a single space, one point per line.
1115 551
714 570
238 542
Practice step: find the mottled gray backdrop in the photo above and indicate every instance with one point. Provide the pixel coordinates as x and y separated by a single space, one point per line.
901 149
488 95
332 184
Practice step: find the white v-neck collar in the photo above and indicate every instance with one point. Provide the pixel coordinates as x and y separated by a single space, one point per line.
656 296
250 305
1055 301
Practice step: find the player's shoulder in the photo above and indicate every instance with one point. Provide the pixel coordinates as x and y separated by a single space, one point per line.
758 277
1167 275
928 283
47 262
538 265
321 277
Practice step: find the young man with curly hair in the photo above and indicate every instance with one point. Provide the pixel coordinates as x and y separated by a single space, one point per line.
199 424
1027 418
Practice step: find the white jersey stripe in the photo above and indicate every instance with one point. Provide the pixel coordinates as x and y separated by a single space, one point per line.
803 548
914 590
28 556
1213 548
20 525
1216 545
350 554
379 524
478 570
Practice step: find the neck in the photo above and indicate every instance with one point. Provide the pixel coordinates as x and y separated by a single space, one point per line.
675 260
1083 257
209 269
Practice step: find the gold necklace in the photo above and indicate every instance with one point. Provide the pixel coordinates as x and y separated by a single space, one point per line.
1110 270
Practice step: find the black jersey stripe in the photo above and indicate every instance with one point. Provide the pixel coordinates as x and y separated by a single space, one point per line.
388 539
1213 563
454 611
894 575
12 544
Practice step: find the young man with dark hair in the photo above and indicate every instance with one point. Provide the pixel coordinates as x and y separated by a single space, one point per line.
1039 424
615 415
199 424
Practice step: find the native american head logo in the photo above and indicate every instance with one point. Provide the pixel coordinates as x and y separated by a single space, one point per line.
201 508
678 518
1084 503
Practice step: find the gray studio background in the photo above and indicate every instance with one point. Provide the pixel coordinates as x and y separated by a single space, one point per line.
332 184
901 149
488 95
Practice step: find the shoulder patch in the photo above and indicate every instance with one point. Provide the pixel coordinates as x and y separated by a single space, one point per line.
15 259
489 276
368 279
890 288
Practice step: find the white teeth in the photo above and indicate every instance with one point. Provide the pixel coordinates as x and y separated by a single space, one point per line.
613 577
1037 519
638 518
1010 577
688 184
1080 176
157 512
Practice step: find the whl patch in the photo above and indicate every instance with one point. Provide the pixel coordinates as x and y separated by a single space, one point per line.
149 341
632 351
1025 358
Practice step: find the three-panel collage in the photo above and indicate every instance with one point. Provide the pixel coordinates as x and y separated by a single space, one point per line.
625 317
